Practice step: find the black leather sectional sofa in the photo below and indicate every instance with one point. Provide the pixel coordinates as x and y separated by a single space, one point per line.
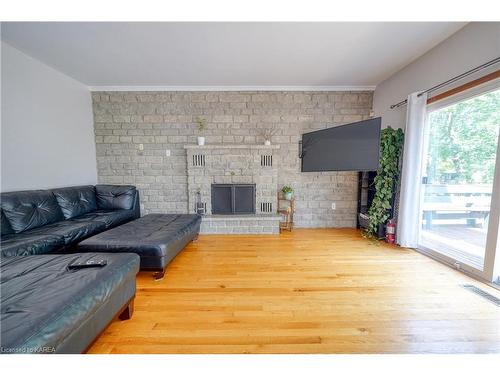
47 221
45 306
49 307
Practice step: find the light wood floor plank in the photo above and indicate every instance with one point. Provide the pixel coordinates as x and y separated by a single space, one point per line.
308 291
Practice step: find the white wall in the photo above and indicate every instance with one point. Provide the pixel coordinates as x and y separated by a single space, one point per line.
471 46
47 126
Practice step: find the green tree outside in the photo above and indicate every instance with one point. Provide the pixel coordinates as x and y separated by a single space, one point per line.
463 141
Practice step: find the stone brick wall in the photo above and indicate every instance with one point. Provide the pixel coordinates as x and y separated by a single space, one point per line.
134 130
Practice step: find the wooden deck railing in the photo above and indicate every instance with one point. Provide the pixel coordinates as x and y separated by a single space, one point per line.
468 202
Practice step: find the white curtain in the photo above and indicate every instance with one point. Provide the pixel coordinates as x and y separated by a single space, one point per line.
411 174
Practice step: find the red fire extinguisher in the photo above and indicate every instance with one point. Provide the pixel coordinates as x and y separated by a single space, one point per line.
390 232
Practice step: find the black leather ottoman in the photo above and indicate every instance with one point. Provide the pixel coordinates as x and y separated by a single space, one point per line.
156 238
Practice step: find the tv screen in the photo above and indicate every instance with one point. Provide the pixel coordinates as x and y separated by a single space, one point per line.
351 147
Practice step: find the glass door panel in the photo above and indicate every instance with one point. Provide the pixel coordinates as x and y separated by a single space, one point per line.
459 168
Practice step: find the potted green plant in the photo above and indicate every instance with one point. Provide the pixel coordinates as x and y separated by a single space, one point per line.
201 122
386 181
287 192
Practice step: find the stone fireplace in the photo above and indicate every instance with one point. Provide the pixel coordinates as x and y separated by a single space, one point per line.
235 185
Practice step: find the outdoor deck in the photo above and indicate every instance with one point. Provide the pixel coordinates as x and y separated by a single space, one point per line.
465 244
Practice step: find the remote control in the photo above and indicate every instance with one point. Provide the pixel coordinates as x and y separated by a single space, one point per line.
77 264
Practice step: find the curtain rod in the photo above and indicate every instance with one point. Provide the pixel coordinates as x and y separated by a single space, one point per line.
451 80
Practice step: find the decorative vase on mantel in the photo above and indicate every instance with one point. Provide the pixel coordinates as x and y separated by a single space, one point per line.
201 122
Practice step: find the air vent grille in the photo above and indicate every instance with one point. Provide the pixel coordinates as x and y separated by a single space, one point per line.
266 160
482 293
266 207
199 160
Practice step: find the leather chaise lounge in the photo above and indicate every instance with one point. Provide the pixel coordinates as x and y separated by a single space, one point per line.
47 308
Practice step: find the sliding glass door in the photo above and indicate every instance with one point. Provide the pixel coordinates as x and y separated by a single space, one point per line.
460 162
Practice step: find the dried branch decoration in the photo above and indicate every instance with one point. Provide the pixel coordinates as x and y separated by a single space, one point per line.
267 133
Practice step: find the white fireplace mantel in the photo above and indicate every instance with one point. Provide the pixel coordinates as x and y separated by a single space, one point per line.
232 146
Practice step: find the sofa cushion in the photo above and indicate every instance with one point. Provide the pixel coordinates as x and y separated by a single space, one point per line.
45 305
30 209
27 243
75 201
71 231
5 226
111 218
115 197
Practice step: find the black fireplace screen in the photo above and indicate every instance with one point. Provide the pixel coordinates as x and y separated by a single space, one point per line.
229 199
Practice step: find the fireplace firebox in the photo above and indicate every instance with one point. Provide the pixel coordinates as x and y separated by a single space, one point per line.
231 199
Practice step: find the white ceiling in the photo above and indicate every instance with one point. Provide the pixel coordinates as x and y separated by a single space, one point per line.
259 55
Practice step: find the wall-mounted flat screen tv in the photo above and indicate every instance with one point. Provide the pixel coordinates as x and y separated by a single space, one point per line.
350 147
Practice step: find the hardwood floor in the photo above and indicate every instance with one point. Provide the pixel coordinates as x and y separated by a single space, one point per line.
308 291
